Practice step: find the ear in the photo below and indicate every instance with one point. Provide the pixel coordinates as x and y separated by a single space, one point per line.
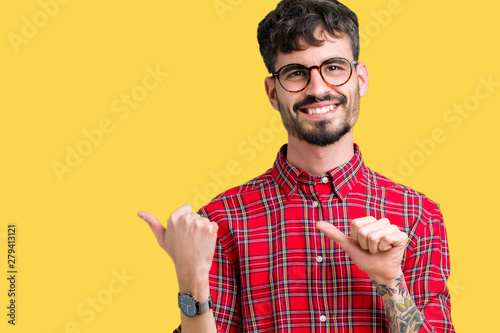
362 72
270 84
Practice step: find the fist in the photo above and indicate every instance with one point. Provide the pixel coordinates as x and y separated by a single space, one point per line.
375 246
188 239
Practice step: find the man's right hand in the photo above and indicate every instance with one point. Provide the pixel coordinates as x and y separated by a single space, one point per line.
189 240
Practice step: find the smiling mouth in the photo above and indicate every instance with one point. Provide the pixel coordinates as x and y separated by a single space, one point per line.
322 110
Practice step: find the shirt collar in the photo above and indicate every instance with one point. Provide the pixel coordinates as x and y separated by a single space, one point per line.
344 177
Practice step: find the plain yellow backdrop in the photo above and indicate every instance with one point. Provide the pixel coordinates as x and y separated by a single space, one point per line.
112 107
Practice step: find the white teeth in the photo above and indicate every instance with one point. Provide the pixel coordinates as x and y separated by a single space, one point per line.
321 110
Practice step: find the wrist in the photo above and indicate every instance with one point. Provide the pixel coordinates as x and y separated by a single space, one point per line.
196 285
390 281
190 306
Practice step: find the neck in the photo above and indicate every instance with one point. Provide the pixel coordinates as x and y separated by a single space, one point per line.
317 160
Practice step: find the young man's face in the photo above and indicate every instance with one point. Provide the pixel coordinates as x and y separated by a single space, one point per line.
299 110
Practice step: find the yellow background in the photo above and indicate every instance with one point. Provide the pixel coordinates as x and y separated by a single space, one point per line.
78 230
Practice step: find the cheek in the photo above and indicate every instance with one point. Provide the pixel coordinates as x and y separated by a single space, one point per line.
284 104
291 99
353 111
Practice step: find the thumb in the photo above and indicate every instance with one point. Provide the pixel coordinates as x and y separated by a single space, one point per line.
155 225
334 234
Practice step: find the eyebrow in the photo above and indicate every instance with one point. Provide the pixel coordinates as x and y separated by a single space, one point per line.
332 60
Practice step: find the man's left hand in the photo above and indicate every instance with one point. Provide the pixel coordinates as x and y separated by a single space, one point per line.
375 246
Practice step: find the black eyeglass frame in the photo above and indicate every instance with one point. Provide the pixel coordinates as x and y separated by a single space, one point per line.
351 64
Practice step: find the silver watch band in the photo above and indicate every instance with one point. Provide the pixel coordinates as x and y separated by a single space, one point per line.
205 306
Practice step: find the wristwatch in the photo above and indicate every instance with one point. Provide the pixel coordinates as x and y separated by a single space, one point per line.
190 307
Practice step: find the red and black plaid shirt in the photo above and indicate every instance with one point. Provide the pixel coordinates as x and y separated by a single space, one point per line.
274 271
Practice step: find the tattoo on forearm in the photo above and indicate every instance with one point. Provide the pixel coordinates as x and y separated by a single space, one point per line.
402 312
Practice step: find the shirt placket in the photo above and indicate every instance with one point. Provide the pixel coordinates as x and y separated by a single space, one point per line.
319 190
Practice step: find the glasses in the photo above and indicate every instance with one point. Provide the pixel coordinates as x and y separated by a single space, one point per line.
295 77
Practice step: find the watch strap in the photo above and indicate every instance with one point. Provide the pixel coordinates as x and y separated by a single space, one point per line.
205 306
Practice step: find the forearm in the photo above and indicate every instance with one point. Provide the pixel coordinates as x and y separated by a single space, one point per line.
189 239
400 308
199 324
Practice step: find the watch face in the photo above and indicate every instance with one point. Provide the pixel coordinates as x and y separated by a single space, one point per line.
187 305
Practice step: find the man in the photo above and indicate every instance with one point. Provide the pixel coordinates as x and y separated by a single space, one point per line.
319 243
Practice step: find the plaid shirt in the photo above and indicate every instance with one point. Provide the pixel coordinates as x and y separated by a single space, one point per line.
274 271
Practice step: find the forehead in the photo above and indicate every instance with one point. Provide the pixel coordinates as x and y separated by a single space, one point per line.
314 55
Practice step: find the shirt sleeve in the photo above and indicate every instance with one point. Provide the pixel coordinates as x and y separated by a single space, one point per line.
225 292
427 269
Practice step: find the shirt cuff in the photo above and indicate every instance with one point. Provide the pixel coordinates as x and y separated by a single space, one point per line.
178 330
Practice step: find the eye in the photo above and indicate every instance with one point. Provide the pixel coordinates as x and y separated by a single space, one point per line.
294 73
332 68
335 68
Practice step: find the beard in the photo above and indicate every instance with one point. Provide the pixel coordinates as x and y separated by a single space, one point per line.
321 132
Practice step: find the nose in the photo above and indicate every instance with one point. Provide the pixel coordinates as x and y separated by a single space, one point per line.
317 87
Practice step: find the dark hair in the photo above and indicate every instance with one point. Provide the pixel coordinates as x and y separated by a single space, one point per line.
295 21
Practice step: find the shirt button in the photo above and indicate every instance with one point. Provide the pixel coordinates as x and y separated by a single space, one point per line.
322 319
324 180
319 259
315 204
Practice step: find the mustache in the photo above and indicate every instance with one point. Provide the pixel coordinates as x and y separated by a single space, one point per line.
311 100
